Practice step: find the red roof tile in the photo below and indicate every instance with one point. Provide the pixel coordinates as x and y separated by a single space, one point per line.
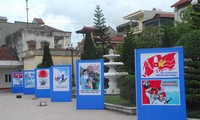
39 20
161 15
6 54
86 29
116 38
180 2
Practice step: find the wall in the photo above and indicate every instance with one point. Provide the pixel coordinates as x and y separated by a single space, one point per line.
3 72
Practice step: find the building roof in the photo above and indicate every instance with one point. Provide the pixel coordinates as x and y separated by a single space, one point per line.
6 54
180 2
38 20
117 38
86 29
163 15
46 28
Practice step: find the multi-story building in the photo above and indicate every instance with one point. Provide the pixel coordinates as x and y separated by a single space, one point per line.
141 16
159 20
25 41
179 8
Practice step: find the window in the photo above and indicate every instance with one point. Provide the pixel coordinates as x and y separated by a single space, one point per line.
7 77
31 45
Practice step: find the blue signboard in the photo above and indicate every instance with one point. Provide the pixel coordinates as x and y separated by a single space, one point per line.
42 89
89 84
17 82
160 84
29 82
61 83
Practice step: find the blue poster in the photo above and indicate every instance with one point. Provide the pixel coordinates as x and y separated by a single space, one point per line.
29 79
17 82
160 84
90 84
61 83
17 79
42 88
29 82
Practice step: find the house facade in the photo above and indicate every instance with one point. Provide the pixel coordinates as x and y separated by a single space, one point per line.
179 8
25 42
141 16
159 20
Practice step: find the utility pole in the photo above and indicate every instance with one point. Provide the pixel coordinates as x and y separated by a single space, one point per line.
27 11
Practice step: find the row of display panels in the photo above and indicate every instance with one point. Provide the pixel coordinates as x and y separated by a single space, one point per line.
56 83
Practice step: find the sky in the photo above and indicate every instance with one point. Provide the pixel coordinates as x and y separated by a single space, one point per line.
73 15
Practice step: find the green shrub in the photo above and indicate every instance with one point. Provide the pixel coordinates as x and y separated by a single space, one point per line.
192 90
192 83
191 43
127 90
193 101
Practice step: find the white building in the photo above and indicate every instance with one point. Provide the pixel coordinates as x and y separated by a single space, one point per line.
21 45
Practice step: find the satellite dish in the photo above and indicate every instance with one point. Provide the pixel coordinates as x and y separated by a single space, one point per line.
154 9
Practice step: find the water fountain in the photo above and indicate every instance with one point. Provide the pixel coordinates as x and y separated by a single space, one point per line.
112 75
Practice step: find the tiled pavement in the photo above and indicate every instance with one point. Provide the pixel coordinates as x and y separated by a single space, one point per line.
27 108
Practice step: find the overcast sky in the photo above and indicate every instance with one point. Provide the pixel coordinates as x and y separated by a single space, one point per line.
72 15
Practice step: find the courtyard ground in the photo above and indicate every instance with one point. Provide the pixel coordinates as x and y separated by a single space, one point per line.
27 108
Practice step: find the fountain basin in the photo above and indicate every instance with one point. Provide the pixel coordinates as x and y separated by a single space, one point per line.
117 74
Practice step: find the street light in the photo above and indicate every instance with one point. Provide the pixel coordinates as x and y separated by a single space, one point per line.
72 49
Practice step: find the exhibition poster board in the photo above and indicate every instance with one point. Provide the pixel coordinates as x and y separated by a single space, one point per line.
160 89
29 82
61 83
17 82
42 89
89 84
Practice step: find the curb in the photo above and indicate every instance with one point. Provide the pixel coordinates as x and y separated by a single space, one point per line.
120 108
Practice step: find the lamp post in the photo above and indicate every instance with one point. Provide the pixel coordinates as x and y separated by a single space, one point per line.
72 49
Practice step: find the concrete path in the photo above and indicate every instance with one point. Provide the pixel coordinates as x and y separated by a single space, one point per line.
28 108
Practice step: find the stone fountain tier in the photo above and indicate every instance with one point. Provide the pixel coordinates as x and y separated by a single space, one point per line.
111 57
112 66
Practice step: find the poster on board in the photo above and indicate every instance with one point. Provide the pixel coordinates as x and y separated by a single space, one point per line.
17 79
89 80
61 79
29 79
157 65
43 81
160 92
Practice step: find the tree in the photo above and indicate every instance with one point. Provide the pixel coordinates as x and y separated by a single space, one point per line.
127 90
149 38
192 16
47 59
195 14
99 23
127 52
191 43
89 51
166 33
